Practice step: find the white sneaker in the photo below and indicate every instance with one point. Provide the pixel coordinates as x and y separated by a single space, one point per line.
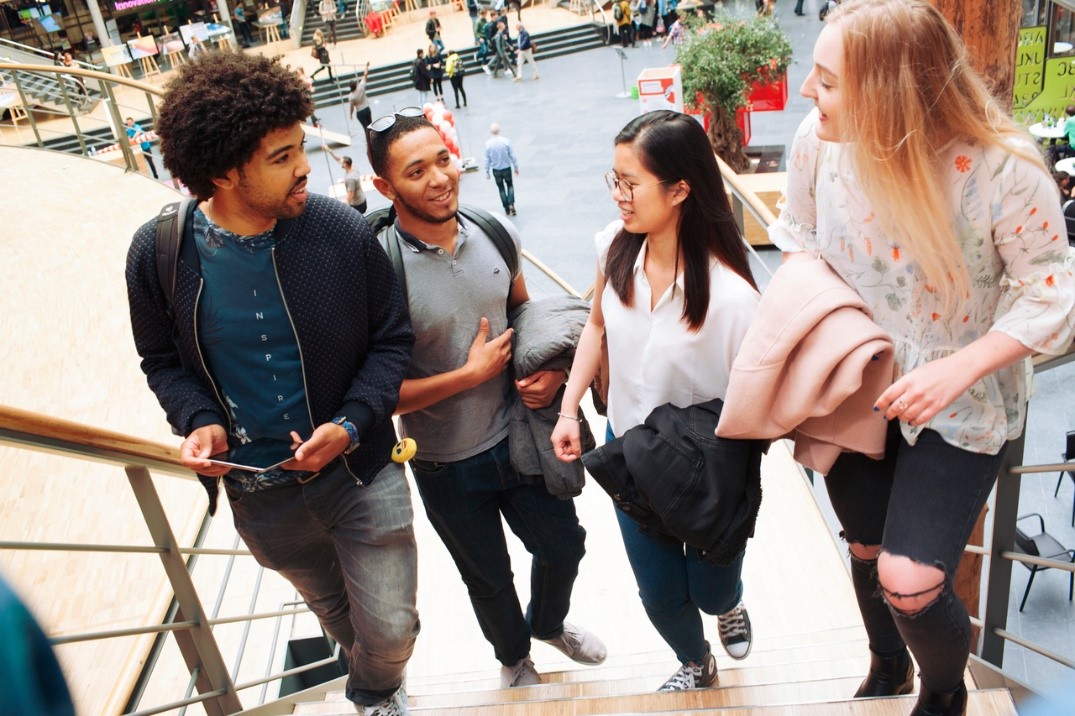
735 632
394 705
693 676
579 645
522 674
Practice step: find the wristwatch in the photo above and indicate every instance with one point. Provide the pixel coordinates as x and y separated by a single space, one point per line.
352 433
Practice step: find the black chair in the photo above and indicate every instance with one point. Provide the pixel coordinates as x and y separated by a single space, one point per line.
1068 454
1042 545
1069 220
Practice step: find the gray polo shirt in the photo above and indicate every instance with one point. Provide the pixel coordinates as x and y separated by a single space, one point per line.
447 296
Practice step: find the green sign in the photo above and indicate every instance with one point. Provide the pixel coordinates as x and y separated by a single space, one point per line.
1043 85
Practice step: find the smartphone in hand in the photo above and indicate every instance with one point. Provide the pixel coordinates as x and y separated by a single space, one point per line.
256 456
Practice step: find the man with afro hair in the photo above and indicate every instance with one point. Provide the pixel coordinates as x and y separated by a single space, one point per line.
285 321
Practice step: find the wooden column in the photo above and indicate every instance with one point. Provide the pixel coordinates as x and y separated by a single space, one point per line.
991 33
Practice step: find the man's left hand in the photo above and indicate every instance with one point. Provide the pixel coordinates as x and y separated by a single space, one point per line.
326 444
538 390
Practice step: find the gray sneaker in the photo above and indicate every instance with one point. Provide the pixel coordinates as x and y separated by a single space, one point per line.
579 645
394 705
522 674
693 676
735 632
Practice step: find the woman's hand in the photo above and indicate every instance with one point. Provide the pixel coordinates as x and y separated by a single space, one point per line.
565 440
919 396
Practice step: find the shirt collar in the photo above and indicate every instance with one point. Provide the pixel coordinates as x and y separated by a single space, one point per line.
416 245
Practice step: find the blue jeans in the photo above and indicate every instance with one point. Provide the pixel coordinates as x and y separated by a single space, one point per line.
464 500
350 552
676 584
921 502
505 186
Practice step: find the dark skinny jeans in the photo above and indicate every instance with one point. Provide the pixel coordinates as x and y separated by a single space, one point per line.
921 502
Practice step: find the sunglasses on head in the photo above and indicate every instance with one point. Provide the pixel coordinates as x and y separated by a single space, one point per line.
383 123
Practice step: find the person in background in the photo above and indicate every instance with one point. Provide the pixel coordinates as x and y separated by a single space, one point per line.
499 162
197 48
918 190
352 181
135 130
525 53
456 71
327 10
320 51
432 26
674 296
420 77
435 67
357 102
242 24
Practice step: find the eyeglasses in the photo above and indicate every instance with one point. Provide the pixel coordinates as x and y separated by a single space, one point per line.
624 187
383 123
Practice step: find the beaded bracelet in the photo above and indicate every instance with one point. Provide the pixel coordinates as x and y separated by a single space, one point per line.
569 417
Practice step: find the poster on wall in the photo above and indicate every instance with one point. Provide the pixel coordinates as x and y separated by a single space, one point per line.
194 29
142 47
116 55
113 32
172 42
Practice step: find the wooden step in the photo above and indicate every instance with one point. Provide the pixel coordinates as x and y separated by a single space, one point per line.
988 702
823 690
778 651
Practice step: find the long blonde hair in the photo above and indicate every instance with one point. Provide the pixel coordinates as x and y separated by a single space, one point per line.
908 94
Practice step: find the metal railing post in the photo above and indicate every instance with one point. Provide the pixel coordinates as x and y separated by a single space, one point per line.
29 109
117 123
71 113
198 645
999 582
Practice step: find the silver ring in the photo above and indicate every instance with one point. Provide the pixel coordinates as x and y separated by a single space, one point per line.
901 404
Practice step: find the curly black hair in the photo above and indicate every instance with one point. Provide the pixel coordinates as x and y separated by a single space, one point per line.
217 110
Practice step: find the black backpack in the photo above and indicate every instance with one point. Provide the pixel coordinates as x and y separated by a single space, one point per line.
382 221
171 221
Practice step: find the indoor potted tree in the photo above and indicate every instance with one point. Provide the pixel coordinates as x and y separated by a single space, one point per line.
721 61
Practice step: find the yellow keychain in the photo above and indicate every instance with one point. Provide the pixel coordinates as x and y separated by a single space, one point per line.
404 450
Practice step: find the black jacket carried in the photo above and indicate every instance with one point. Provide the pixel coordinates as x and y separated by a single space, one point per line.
679 481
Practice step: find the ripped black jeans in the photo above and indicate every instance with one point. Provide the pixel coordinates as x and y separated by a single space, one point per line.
920 502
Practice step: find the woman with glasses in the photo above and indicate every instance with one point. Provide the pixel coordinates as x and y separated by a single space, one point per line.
674 296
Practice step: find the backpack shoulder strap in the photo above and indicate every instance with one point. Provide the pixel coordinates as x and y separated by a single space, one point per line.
171 221
383 224
495 230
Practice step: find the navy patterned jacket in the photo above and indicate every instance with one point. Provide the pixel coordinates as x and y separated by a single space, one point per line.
347 310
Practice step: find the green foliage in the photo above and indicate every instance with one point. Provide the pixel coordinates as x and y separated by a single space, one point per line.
724 57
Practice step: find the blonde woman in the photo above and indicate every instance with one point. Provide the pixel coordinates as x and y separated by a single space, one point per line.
922 194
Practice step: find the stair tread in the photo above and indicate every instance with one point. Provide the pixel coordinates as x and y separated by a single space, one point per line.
811 698
849 641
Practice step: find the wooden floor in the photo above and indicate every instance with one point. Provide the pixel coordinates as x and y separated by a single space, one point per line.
398 45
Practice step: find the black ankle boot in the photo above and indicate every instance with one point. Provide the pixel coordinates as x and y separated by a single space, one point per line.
946 703
889 676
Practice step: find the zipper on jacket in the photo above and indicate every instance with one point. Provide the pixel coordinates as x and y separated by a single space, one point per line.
302 361
201 358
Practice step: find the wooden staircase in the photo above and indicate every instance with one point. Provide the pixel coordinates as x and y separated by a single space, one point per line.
816 676
809 655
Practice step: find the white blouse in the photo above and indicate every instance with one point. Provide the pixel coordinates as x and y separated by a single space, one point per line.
1007 216
653 358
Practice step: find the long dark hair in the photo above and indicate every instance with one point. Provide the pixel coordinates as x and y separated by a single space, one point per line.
674 147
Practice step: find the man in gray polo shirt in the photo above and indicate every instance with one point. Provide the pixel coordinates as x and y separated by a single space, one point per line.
456 400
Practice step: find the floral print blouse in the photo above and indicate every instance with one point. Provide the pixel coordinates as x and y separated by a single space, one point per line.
1008 220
